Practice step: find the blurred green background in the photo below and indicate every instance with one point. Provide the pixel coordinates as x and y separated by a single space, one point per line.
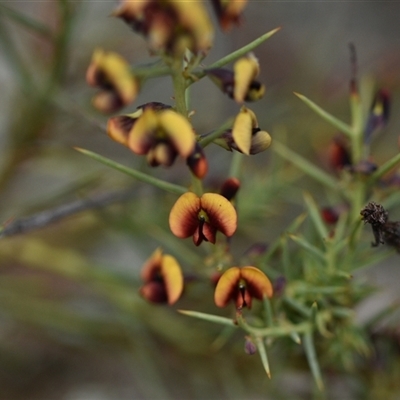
71 323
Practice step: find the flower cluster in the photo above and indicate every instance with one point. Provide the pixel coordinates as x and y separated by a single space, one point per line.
180 34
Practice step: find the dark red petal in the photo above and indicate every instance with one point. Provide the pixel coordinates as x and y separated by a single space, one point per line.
154 292
209 232
152 266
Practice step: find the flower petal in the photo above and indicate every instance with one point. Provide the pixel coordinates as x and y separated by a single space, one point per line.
141 138
110 69
228 12
154 292
151 267
245 70
209 232
242 130
119 127
173 278
162 154
230 187
183 218
221 213
227 287
260 141
179 131
197 162
257 283
194 18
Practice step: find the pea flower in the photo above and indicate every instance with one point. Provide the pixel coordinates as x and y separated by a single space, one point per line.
245 135
111 73
169 25
201 217
197 162
230 188
241 285
239 84
339 154
163 279
228 12
119 127
161 136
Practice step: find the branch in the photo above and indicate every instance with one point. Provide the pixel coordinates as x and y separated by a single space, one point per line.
47 217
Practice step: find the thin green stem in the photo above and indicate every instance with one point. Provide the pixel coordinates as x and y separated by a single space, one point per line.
383 169
307 167
273 331
357 124
209 317
236 163
169 187
337 123
26 22
209 138
236 54
179 84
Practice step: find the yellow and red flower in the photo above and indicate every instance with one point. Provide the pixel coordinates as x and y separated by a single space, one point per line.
162 136
239 84
119 127
228 12
112 74
169 25
245 135
163 279
197 162
201 217
241 285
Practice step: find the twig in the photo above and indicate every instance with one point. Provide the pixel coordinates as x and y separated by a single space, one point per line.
47 217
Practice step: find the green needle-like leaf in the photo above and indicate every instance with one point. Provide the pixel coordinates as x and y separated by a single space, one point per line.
307 167
337 123
383 169
26 21
209 317
315 215
169 187
263 355
308 342
308 246
238 53
209 138
244 50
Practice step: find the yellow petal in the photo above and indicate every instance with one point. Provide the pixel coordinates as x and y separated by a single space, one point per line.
183 218
118 128
257 283
260 141
193 17
229 12
245 70
179 131
242 130
118 72
221 213
173 278
141 137
227 287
